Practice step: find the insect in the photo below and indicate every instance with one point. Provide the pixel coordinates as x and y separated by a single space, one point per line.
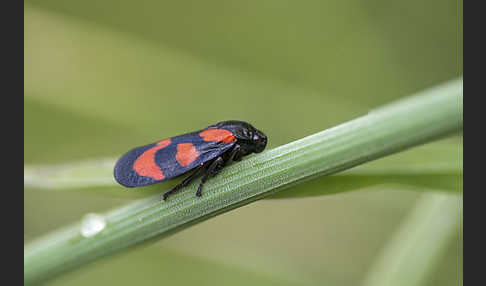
205 152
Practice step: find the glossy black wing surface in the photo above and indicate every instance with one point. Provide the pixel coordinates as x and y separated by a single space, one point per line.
171 157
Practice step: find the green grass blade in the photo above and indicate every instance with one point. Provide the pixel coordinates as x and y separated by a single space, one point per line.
433 166
412 121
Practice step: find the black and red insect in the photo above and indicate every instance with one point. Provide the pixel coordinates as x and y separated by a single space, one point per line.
204 152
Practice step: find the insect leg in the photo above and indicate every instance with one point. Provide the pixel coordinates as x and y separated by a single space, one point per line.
186 181
234 152
238 153
212 171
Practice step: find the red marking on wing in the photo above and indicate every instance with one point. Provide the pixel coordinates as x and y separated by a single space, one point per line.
145 163
217 135
186 154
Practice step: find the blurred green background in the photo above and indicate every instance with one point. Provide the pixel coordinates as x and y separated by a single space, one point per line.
102 77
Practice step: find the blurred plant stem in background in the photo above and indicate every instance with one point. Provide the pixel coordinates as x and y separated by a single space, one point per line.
418 244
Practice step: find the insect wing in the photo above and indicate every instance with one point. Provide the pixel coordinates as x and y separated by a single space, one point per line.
166 159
